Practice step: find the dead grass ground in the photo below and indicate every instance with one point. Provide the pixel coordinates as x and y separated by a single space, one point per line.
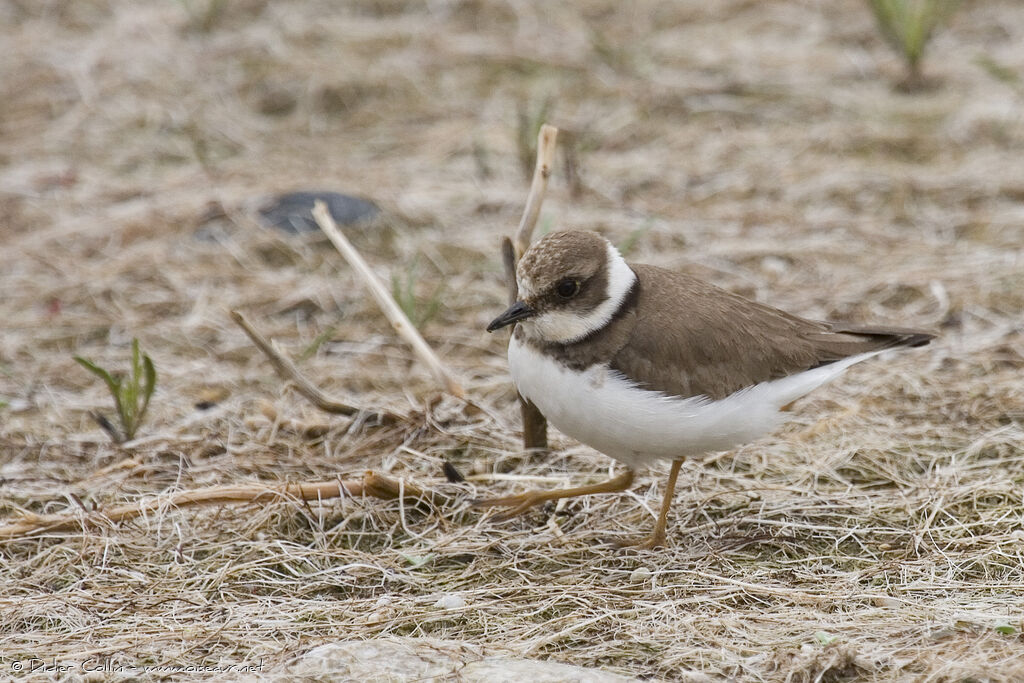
881 536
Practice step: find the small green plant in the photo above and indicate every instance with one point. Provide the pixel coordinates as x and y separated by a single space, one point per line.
315 345
403 289
823 638
908 25
131 393
1005 628
627 245
1001 73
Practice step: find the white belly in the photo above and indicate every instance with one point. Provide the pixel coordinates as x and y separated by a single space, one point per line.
603 409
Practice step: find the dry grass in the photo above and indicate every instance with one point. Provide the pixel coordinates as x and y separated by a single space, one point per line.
880 536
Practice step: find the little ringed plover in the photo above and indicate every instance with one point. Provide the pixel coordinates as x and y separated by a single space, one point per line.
642 363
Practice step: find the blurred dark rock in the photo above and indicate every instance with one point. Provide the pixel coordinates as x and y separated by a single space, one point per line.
293 212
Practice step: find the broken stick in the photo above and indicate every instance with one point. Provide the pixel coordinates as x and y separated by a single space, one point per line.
287 371
538 187
405 329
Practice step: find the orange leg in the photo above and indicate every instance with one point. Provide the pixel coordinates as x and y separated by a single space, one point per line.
524 501
657 537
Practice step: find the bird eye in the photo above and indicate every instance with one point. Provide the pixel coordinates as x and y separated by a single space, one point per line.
567 288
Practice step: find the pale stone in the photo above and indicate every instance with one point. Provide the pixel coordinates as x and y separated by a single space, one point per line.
450 602
424 659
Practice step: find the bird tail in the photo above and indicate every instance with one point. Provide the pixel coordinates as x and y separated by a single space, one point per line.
843 340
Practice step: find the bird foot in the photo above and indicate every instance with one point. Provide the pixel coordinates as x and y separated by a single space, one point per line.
518 504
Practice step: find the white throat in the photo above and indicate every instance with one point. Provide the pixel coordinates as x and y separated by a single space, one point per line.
565 327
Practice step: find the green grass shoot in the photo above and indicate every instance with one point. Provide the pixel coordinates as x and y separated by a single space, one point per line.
419 310
131 392
908 25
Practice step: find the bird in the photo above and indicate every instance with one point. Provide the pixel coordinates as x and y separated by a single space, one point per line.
644 364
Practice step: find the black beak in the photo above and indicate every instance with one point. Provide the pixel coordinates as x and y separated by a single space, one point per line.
516 312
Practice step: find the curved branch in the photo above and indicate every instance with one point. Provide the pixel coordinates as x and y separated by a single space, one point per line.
372 484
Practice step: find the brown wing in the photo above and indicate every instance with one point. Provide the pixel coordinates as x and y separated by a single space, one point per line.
690 338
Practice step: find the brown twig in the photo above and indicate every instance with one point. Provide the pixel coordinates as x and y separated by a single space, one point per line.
372 484
535 425
508 260
538 187
286 370
405 329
